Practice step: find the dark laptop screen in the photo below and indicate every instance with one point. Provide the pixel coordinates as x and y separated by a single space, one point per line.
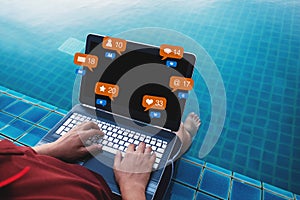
139 72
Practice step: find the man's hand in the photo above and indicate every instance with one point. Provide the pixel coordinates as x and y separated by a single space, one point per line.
132 173
70 146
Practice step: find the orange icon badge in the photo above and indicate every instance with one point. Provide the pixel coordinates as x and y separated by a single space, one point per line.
106 89
169 51
154 102
86 60
116 44
181 83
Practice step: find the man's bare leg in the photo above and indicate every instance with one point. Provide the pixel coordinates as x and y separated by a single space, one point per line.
187 131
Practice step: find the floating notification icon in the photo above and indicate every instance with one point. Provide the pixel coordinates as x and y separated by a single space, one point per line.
101 102
171 63
154 102
86 60
181 83
116 44
107 89
110 55
183 95
154 114
169 51
80 72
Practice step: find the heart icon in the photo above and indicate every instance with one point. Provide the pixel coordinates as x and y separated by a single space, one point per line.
149 101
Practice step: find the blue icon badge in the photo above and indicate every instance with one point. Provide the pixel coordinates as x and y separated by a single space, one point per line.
101 102
110 55
171 63
154 114
183 95
80 72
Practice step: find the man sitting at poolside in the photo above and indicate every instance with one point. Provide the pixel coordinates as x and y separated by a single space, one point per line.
41 173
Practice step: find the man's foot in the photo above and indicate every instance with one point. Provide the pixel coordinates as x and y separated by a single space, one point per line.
192 123
187 131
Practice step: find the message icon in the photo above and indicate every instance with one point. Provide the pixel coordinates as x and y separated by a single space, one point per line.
110 55
116 44
101 102
86 60
169 51
80 72
154 102
181 83
107 89
183 95
171 63
154 114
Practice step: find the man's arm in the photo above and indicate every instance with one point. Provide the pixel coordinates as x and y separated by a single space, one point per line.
132 172
70 147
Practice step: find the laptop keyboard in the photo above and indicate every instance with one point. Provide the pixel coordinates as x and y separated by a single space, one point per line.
115 138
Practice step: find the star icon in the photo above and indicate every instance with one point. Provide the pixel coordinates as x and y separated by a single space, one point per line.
102 88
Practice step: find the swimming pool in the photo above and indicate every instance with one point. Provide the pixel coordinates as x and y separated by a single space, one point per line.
255 45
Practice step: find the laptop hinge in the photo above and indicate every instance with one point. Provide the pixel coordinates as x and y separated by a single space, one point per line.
94 108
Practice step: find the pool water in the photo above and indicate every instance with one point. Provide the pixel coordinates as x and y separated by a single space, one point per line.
255 45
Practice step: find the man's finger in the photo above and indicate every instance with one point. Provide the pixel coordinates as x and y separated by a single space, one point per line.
88 125
118 159
148 150
95 148
152 158
86 134
130 148
141 147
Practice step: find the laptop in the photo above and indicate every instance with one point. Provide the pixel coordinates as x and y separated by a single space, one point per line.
135 78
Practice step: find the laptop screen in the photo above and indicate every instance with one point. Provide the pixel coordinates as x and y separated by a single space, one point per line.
136 83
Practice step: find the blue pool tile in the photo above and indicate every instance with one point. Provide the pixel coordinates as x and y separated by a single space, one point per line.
188 173
178 191
277 190
215 184
5 119
31 100
71 46
271 196
5 100
244 191
246 179
2 137
17 108
46 105
35 114
62 111
15 128
18 144
193 159
217 168
203 196
33 136
16 94
4 89
50 120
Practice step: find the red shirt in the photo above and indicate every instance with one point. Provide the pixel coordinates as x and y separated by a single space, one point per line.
24 174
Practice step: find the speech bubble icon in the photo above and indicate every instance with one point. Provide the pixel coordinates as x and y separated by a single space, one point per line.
107 89
86 60
110 55
154 114
169 51
183 95
101 102
116 44
154 102
181 83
